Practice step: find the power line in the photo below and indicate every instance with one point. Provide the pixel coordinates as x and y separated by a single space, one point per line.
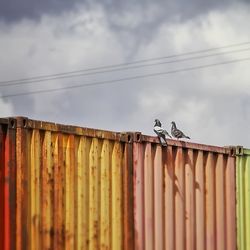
15 83
126 64
124 79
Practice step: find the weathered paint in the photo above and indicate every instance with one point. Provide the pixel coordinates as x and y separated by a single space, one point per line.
243 198
128 201
96 206
2 173
66 187
184 197
71 188
7 184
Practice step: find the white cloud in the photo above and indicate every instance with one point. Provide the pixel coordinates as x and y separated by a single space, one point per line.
6 109
210 102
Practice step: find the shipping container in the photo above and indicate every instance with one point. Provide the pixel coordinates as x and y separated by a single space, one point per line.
184 196
64 187
67 187
243 198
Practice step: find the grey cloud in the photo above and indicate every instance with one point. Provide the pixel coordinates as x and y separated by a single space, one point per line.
15 10
204 104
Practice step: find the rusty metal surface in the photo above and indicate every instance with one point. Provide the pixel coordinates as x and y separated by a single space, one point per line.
67 187
185 144
7 185
243 198
71 191
184 198
64 187
23 122
128 198
2 173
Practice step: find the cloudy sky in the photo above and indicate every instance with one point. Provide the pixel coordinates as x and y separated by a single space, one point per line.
211 104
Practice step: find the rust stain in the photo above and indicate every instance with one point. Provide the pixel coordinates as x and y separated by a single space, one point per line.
128 200
51 160
2 150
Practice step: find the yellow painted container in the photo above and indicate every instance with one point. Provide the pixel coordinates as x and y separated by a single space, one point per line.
70 187
243 198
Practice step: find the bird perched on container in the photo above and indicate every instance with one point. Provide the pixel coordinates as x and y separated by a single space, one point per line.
161 133
175 132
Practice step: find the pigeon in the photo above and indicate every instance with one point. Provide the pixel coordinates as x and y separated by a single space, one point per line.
161 133
175 132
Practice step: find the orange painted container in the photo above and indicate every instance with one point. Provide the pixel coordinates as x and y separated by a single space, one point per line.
64 187
184 196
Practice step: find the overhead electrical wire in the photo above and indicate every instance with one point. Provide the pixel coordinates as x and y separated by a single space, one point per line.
126 64
22 82
124 79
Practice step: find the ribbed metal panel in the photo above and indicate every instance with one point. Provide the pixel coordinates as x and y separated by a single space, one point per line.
184 197
7 184
66 187
70 190
2 186
243 198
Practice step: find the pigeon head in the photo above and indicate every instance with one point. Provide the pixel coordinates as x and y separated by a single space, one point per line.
173 124
157 122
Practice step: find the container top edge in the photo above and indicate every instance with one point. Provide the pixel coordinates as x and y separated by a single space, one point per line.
24 122
246 151
4 120
191 145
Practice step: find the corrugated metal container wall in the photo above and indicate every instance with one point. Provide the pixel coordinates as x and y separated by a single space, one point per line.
7 184
71 187
184 196
243 198
65 187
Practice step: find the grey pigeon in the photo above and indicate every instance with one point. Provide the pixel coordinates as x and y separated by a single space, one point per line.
161 133
175 132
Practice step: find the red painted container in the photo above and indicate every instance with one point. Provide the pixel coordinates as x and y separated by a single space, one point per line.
7 183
